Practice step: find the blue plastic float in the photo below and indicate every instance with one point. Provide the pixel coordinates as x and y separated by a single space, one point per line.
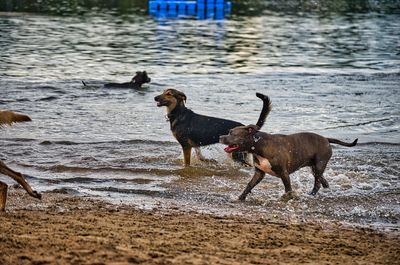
202 9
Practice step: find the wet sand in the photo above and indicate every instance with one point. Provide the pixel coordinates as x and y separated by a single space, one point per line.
63 229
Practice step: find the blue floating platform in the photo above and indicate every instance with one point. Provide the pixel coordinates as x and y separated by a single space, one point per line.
216 9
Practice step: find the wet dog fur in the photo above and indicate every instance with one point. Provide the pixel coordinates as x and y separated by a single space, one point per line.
137 81
280 155
193 130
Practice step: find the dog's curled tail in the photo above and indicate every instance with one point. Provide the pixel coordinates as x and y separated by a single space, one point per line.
267 106
335 141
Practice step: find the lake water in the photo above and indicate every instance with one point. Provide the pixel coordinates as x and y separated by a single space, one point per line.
333 70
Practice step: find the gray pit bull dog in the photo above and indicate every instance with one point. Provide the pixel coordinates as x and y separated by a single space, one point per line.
280 155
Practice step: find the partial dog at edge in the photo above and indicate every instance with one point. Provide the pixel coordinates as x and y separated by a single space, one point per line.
7 118
280 155
193 130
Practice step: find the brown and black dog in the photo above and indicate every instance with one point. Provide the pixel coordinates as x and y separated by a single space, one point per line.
193 130
280 155
7 118
137 81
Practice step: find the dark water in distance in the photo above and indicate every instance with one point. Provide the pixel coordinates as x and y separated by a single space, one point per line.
331 67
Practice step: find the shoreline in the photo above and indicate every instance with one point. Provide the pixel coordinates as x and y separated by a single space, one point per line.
64 229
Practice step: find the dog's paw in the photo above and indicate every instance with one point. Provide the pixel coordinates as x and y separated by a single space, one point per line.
289 196
36 195
242 198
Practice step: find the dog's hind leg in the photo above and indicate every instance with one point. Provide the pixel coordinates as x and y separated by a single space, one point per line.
199 154
257 177
318 171
3 195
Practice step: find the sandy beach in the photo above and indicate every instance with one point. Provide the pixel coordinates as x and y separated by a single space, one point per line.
110 164
62 229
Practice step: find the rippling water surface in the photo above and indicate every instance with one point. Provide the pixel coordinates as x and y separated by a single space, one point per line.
336 74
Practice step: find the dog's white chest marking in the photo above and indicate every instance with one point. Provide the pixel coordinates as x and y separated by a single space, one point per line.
264 165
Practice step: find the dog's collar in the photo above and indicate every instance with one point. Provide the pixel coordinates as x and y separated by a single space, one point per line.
255 140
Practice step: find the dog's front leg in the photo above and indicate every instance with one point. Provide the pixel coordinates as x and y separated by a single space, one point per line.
187 153
289 194
257 177
286 181
18 177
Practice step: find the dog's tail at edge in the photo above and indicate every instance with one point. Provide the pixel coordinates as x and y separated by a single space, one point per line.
335 141
9 117
267 106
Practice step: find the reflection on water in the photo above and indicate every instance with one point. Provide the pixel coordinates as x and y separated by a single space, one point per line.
216 9
331 67
240 7
103 45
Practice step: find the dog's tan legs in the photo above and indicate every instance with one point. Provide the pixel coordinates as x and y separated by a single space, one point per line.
258 176
187 153
3 196
18 178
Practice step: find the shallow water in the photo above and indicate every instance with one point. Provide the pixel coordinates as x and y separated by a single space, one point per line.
334 74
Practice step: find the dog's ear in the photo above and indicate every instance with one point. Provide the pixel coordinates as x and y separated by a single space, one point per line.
252 129
134 79
181 96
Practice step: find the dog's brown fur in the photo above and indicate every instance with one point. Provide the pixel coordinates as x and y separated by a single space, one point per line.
280 155
193 130
7 118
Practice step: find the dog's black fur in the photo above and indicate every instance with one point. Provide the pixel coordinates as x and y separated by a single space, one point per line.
137 81
193 130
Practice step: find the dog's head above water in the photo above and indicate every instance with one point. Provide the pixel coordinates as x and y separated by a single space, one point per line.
141 78
171 98
240 138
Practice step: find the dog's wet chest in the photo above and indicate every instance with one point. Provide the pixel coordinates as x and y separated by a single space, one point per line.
263 164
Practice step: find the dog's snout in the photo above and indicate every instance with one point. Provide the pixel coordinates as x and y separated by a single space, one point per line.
156 98
222 138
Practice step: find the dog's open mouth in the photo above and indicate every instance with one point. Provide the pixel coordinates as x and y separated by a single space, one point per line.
161 103
231 148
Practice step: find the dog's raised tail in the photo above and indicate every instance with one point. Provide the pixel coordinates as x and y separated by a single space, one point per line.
335 141
267 106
